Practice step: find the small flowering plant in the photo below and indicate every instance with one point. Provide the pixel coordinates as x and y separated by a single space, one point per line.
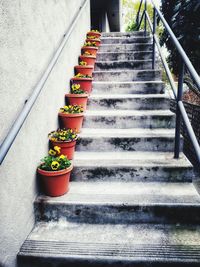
75 89
95 31
54 161
83 63
90 44
71 109
79 75
93 37
87 53
65 135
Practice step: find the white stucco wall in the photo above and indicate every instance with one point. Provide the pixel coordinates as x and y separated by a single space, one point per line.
30 32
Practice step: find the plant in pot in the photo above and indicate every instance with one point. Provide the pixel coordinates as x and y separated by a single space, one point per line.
65 139
90 47
71 117
84 81
88 57
95 33
54 172
77 96
93 39
84 69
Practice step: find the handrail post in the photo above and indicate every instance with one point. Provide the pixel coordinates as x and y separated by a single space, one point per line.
154 45
178 113
145 18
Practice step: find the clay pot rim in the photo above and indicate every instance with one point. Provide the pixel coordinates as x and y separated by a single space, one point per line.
71 114
90 47
97 33
77 95
55 173
93 40
61 142
88 56
79 79
84 67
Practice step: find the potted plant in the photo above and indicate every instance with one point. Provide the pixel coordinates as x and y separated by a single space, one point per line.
77 96
71 116
84 69
84 81
65 139
93 39
95 33
54 171
90 47
88 57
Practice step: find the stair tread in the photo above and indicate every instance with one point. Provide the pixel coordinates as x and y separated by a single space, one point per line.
132 96
123 61
127 194
133 158
115 112
130 71
129 82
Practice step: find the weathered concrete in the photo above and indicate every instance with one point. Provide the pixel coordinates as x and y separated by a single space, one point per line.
122 40
124 65
30 33
125 47
107 56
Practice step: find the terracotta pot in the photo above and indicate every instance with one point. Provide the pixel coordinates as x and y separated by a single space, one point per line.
89 59
66 147
85 70
71 121
55 183
96 41
85 83
91 49
77 99
97 34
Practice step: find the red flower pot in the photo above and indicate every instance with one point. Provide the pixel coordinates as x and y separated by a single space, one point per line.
89 59
77 99
97 34
85 83
72 121
96 41
66 147
85 70
91 49
56 183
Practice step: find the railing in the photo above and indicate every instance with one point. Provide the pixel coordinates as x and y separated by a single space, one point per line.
9 139
184 63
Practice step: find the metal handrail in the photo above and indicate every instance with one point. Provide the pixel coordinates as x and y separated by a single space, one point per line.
184 61
9 139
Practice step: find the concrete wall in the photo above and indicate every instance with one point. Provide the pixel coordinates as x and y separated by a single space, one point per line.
30 33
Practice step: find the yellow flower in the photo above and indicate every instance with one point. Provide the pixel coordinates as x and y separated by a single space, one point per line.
52 152
57 149
73 136
55 165
62 157
62 138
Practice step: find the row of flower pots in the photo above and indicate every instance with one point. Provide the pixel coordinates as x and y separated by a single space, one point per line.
55 169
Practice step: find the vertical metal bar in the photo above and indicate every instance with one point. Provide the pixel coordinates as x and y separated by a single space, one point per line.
178 113
154 44
145 18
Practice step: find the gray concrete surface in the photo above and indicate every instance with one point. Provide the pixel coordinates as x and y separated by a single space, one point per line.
30 33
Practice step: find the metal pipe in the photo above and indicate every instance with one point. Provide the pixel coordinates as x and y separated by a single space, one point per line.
145 18
178 113
138 13
141 19
6 144
154 47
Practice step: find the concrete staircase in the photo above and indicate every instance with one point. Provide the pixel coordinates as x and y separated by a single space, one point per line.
130 202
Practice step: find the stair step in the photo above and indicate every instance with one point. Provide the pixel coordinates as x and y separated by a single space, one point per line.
127 75
124 34
139 87
131 166
111 245
123 64
128 101
119 202
126 140
125 47
129 119
125 40
140 55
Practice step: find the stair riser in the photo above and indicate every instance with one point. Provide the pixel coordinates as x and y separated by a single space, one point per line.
80 261
117 213
124 56
124 76
130 40
128 88
124 34
125 144
129 122
123 65
128 103
130 173
125 47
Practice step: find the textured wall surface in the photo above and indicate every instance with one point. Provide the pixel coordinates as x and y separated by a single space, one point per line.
30 33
